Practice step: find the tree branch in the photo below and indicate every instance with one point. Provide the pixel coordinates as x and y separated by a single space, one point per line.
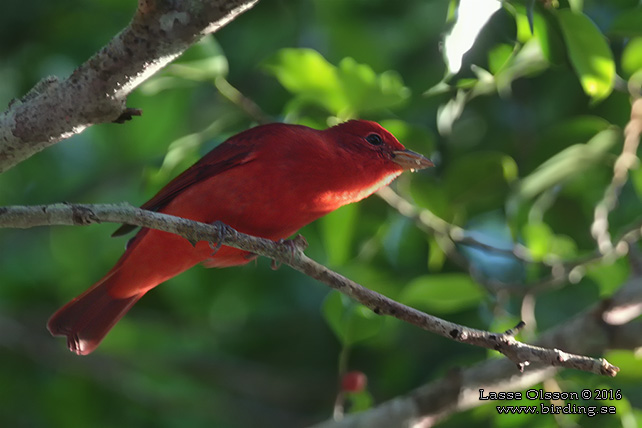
626 161
291 254
460 389
97 90
562 271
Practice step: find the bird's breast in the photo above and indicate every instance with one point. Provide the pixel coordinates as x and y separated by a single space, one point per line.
333 198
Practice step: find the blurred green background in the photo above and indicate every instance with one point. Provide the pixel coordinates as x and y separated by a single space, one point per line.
524 137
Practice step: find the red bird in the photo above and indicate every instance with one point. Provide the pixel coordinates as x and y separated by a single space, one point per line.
268 181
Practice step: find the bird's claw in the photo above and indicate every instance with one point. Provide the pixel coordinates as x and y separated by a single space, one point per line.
298 243
222 231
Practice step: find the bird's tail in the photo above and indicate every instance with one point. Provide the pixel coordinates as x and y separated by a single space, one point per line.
88 318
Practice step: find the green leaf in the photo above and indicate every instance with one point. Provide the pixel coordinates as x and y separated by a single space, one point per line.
632 56
365 91
543 243
524 20
589 53
466 83
442 87
540 32
345 91
527 61
306 73
337 232
537 238
445 293
563 247
499 56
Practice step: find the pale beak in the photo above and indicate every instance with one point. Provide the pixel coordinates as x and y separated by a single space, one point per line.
410 160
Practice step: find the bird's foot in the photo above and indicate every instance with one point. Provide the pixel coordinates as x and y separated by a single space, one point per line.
222 227
298 243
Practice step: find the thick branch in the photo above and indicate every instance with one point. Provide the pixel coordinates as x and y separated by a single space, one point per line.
291 254
97 90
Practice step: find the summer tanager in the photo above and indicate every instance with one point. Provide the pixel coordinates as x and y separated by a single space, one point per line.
268 181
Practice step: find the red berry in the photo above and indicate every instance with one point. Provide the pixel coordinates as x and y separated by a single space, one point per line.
354 381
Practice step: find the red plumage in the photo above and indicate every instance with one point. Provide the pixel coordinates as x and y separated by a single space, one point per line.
268 181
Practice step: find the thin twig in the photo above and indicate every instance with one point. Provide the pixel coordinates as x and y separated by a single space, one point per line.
235 96
626 161
562 272
434 224
291 254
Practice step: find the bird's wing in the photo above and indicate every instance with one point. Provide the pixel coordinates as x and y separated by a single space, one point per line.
230 154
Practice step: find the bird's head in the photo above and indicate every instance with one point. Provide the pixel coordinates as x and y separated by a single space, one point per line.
363 137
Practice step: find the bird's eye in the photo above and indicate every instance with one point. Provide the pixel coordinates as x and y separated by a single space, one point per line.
374 139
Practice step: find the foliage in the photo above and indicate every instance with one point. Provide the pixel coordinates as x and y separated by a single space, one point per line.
524 136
